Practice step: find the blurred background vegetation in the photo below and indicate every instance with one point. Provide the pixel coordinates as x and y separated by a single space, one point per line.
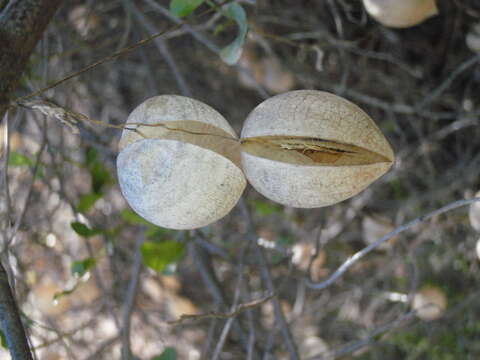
87 268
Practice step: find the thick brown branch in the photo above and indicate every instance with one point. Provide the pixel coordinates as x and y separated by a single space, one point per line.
11 324
22 23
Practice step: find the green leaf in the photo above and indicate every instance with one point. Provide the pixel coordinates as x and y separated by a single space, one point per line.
157 255
3 339
98 173
264 208
84 230
133 219
100 176
232 52
86 202
63 293
90 156
399 191
79 268
181 8
221 28
156 233
17 159
285 241
39 172
168 354
277 258
152 232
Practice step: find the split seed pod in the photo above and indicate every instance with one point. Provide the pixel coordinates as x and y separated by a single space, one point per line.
183 171
400 13
309 148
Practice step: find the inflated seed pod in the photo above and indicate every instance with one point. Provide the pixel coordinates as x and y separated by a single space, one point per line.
400 13
309 148
429 302
182 171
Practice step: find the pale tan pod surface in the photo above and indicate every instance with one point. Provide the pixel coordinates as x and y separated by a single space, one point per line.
172 108
291 178
183 178
178 185
400 13
307 186
430 303
313 113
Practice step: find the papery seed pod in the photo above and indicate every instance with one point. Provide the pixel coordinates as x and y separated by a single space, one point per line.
183 172
309 148
400 13
429 302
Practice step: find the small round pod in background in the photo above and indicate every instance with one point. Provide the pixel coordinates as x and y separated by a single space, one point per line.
474 214
183 171
308 148
400 13
473 38
429 303
477 249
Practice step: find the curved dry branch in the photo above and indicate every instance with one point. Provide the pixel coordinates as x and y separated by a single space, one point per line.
358 255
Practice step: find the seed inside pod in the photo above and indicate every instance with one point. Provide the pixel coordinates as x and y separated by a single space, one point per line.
310 151
430 303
